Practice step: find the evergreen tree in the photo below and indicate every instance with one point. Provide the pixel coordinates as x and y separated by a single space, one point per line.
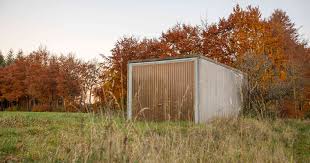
9 58
2 61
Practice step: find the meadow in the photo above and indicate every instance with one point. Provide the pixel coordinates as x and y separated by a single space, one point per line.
86 137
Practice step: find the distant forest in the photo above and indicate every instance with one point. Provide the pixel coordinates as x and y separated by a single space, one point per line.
270 50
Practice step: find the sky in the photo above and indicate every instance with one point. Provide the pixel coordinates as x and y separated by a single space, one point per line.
92 27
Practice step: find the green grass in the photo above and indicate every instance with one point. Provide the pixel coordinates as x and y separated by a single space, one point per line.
302 141
79 137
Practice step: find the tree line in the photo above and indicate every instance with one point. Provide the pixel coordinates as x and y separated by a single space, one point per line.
269 49
44 82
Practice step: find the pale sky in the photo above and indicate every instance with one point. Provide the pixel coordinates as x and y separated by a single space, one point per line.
90 27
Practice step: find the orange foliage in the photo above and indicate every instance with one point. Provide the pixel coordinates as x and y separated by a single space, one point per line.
227 41
41 82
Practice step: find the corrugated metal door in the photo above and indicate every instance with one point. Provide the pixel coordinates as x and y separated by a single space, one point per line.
163 91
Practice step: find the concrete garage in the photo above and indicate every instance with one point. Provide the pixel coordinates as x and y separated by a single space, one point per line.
193 88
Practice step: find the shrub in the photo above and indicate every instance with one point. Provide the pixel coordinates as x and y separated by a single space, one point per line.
268 86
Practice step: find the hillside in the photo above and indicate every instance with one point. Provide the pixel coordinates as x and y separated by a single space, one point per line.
58 137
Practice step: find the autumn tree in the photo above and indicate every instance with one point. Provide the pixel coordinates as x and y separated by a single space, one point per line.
114 78
294 50
90 78
182 40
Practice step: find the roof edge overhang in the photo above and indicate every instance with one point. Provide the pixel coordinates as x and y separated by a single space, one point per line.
163 59
187 57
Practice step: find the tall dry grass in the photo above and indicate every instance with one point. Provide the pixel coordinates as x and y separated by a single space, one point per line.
223 140
65 137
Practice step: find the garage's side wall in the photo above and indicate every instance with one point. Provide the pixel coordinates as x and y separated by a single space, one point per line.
220 91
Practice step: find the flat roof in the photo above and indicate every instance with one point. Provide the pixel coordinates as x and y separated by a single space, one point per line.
184 57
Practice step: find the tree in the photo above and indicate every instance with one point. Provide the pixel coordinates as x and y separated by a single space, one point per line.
294 51
2 60
182 40
9 57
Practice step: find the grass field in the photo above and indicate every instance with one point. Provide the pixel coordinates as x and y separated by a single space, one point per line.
78 137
